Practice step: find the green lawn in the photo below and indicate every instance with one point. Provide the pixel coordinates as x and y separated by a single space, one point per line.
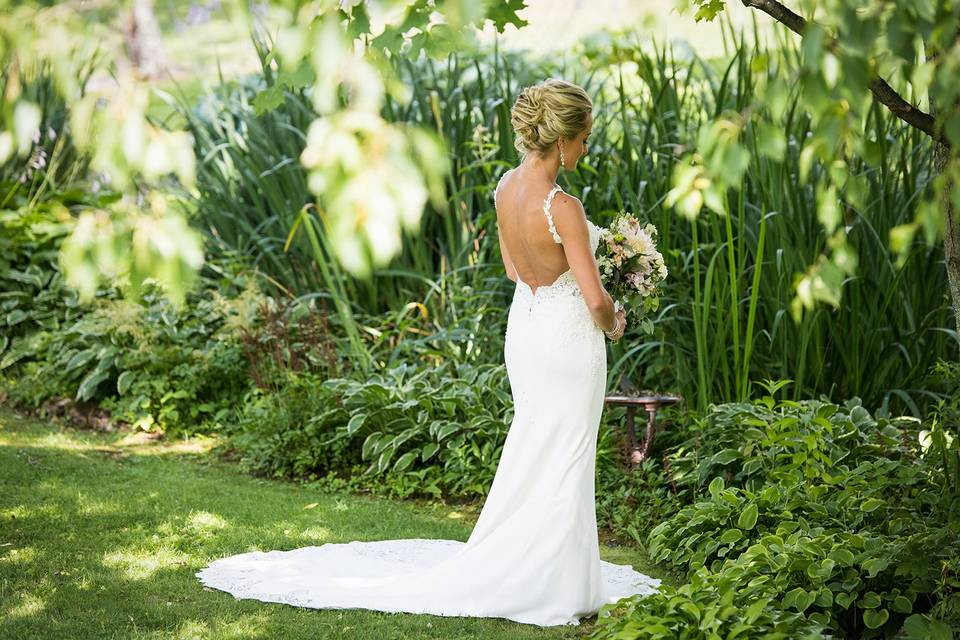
101 533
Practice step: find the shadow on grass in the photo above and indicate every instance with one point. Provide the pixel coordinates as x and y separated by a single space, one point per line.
101 540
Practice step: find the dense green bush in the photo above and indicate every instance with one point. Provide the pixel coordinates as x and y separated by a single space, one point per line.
150 365
841 563
33 294
38 197
435 431
751 444
710 606
631 503
285 433
815 509
426 427
289 336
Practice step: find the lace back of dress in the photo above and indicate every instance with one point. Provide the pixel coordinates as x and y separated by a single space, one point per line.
546 212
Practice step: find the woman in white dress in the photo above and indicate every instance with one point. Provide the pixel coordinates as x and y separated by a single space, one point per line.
533 555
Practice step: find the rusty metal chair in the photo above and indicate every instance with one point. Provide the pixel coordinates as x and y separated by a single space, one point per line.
632 398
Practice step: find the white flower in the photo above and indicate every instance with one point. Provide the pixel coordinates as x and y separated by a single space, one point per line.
643 244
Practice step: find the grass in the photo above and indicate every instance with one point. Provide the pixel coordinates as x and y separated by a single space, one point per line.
101 534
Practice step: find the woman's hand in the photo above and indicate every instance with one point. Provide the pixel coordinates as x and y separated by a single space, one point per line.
620 325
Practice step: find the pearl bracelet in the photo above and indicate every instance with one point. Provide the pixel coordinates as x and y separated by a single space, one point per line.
615 329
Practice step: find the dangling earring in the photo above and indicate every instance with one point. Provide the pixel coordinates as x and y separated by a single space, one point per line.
563 161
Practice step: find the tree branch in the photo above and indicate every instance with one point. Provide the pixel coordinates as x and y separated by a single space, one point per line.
883 92
793 21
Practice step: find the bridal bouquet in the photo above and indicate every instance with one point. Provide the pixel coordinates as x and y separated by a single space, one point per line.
630 266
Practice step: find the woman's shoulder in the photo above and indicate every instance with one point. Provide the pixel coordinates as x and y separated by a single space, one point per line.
500 182
567 203
568 212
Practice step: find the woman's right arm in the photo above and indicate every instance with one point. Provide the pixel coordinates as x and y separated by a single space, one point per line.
602 312
570 220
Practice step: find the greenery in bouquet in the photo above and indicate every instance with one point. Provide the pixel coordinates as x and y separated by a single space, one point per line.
631 267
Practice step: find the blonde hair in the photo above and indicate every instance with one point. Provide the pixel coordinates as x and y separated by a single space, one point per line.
545 112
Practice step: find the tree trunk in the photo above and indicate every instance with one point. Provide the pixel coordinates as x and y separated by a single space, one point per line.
144 41
942 156
951 232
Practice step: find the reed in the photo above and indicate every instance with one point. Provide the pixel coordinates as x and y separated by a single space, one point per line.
724 323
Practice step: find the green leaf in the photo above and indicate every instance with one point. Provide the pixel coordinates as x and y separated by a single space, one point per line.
428 450
731 535
875 566
368 444
80 358
952 129
726 456
748 518
777 97
384 460
715 487
871 505
824 598
300 78
15 316
730 498
870 600
845 599
359 21
356 421
752 466
812 45
754 610
922 76
798 599
771 141
124 380
268 99
874 618
709 9
504 12
405 460
770 495
843 557
32 279
830 68
901 236
923 627
692 609
391 39
89 384
446 430
828 208
821 570
902 604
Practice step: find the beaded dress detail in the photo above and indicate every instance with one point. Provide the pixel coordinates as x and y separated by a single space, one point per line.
533 556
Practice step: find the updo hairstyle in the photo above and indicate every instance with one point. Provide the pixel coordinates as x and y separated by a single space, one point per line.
545 112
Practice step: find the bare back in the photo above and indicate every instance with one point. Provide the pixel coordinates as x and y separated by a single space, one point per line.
525 229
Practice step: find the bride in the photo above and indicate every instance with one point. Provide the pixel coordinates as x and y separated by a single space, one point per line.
533 555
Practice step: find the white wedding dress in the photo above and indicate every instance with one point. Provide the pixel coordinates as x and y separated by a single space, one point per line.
533 555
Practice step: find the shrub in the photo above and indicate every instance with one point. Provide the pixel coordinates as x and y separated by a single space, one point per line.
435 431
710 606
150 365
848 519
